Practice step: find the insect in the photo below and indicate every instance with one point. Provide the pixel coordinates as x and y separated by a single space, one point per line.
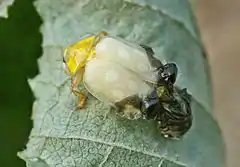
111 68
129 78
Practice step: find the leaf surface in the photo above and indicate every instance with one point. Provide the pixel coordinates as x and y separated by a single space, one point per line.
4 4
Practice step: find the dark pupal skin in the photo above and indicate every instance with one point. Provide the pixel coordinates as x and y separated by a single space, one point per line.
154 62
168 73
129 107
174 117
178 116
166 104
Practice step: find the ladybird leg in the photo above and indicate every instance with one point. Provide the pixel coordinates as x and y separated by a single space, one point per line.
82 95
99 36
75 82
102 33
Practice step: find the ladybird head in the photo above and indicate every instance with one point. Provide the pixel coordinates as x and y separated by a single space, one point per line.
77 55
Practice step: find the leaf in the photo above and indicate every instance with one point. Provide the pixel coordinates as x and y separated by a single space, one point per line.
4 4
95 136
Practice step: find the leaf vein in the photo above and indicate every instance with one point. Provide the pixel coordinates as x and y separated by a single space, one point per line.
109 151
115 145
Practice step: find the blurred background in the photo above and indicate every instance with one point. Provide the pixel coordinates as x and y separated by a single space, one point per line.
219 23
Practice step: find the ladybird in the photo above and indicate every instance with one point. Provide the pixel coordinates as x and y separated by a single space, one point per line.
111 69
129 78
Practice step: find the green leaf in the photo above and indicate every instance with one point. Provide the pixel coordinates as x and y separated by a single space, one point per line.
4 4
95 136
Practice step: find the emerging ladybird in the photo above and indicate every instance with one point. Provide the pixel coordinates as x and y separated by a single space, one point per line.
128 77
111 68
